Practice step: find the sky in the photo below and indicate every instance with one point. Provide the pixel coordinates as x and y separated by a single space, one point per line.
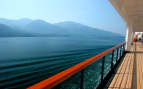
94 13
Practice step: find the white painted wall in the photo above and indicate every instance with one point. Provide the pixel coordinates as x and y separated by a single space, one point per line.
129 37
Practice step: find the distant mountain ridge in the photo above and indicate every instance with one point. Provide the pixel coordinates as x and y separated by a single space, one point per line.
42 27
28 27
15 23
6 31
85 30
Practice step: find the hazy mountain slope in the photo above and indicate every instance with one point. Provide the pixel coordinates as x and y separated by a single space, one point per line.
26 27
6 31
79 29
43 27
15 23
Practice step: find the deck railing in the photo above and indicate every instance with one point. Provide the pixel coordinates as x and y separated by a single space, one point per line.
88 74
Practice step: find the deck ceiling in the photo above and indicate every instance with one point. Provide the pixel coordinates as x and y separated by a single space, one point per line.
131 11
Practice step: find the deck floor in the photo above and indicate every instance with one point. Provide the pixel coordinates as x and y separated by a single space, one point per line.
130 73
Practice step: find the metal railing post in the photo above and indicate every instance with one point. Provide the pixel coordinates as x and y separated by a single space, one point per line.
120 52
82 80
102 71
112 59
124 48
117 55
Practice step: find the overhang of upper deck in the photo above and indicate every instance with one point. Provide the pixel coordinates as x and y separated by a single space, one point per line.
131 11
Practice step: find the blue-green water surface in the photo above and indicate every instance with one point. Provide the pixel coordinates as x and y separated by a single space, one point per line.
25 61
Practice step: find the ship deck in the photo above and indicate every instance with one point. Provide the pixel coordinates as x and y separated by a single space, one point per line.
130 73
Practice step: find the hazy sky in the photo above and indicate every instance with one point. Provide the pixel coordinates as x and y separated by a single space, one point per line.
95 13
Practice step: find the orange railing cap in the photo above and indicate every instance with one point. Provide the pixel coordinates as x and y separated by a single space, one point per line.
60 77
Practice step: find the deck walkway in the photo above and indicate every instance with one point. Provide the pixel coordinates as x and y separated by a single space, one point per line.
130 73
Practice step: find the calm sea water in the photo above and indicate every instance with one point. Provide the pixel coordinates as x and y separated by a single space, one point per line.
28 60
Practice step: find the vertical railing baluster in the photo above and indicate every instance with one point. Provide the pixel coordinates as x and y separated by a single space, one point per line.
124 48
82 80
117 55
120 52
112 59
102 71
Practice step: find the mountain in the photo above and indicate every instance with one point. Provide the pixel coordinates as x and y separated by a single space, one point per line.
83 30
42 27
6 31
15 23
28 27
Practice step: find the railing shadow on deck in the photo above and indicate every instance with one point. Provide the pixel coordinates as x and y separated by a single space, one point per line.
135 52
